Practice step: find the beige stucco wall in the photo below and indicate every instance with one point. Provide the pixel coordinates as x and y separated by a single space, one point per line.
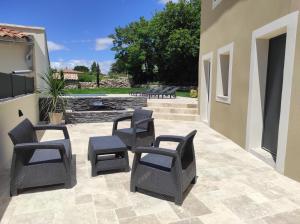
292 160
9 118
234 21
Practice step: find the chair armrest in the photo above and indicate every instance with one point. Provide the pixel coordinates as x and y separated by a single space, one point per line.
147 120
117 120
38 145
159 151
168 138
54 127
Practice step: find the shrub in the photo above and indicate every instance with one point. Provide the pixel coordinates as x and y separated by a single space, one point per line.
86 77
194 93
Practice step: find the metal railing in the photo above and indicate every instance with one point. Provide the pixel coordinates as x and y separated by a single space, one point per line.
15 84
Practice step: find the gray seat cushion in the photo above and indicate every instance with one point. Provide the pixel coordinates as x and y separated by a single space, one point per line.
157 161
50 155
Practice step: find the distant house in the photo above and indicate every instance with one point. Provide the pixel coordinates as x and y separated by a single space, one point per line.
69 74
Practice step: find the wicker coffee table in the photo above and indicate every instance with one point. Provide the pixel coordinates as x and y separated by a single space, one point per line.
107 153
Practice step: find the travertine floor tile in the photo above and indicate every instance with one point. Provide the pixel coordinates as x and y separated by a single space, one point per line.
107 217
125 212
233 187
146 219
284 218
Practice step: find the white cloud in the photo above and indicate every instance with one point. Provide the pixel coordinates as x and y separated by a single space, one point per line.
52 46
105 66
61 64
166 1
103 43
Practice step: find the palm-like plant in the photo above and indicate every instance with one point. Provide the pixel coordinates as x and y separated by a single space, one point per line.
54 90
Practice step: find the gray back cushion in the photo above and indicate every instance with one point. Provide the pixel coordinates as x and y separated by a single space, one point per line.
140 114
23 133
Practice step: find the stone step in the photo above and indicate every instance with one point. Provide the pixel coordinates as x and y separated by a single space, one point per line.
192 111
172 105
176 117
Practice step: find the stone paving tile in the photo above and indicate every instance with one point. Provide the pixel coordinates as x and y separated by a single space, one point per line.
191 207
73 214
292 217
45 217
245 208
146 219
81 199
125 212
233 187
188 221
107 217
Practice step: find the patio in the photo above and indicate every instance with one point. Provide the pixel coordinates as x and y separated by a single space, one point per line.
233 187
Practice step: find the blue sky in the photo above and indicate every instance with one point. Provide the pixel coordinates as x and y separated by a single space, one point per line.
77 30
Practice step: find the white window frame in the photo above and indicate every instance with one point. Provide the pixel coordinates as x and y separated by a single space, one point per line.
228 49
215 3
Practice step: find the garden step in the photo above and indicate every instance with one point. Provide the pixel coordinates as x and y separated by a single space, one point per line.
192 111
171 105
176 117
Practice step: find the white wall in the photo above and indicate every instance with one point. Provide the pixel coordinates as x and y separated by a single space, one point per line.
9 118
12 56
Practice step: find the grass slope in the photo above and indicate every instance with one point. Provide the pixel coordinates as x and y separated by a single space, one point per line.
115 91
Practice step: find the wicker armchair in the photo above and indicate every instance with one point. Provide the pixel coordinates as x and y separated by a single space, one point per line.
141 131
165 171
39 163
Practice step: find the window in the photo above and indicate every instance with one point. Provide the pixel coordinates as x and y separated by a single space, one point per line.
215 3
224 74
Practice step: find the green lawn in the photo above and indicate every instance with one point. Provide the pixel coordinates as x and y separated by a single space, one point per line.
115 91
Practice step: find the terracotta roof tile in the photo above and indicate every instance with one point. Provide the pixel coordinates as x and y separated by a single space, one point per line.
7 32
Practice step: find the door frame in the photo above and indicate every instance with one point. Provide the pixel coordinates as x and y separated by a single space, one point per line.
257 83
205 105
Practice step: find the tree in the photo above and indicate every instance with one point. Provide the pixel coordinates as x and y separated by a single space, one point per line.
176 40
61 74
134 51
98 72
81 68
165 48
118 67
94 67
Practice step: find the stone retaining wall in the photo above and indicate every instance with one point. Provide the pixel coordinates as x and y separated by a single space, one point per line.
79 109
106 83
74 117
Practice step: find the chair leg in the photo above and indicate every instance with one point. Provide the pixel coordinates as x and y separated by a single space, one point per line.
68 184
127 169
132 188
94 172
13 192
178 199
194 181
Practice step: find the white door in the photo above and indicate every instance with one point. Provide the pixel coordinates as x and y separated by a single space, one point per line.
206 88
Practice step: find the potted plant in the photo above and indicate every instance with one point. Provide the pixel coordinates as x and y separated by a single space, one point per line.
54 90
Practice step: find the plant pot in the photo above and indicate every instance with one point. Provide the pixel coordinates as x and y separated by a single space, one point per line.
55 118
